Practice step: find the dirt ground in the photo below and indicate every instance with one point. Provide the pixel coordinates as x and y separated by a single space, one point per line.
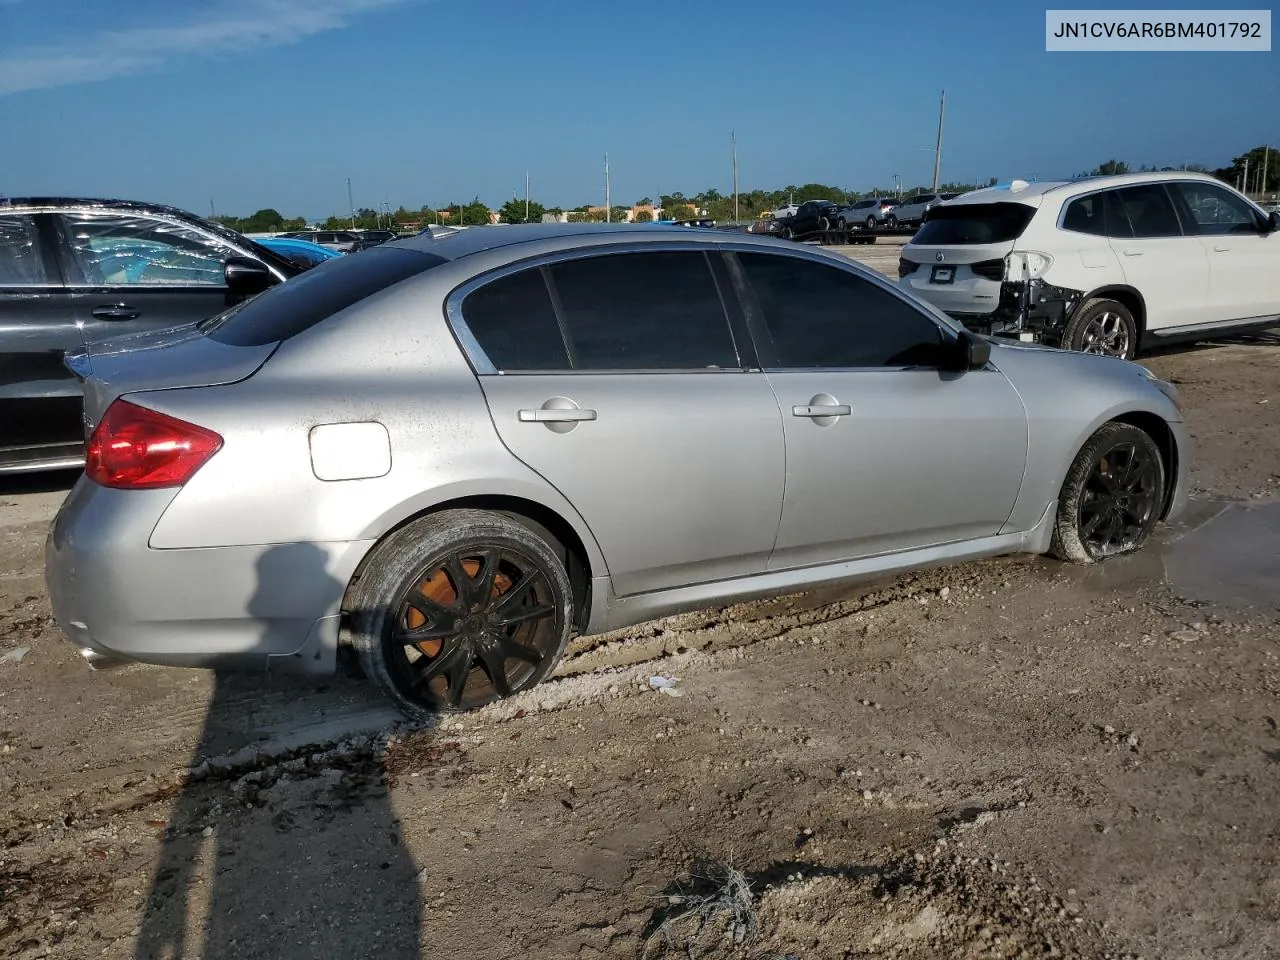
1013 758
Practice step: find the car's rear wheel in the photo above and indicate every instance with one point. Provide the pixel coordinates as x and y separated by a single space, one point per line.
842 224
459 609
1112 496
891 221
871 223
787 233
1104 327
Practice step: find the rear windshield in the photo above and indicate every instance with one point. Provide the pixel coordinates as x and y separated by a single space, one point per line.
973 223
296 305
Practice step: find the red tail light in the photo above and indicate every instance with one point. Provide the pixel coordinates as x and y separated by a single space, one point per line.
134 448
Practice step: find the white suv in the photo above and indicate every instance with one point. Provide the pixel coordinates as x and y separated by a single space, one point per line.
1101 264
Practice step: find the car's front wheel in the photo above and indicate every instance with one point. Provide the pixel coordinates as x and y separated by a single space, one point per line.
1104 327
891 221
1112 497
458 609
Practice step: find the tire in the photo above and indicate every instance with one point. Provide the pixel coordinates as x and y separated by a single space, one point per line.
871 223
1112 497
824 224
842 224
1103 327
891 221
434 648
788 233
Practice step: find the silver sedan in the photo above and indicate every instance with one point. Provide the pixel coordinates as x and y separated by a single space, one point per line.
454 453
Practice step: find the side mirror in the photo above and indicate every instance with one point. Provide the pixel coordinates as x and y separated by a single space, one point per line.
246 277
970 352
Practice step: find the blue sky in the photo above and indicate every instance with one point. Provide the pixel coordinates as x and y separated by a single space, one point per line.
254 103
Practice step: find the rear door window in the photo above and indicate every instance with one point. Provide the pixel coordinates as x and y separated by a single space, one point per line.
21 263
298 304
1150 211
973 223
821 316
643 311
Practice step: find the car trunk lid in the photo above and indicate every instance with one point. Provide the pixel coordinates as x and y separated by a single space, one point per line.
159 360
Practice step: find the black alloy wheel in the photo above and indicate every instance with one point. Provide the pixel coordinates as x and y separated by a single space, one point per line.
460 609
1112 497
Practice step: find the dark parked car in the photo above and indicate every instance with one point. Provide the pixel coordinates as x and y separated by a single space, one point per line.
74 273
812 216
371 238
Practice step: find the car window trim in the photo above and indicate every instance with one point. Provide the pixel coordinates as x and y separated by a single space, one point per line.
483 366
765 347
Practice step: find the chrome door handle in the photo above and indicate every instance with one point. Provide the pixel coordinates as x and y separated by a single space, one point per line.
1132 253
544 415
116 311
814 410
1222 249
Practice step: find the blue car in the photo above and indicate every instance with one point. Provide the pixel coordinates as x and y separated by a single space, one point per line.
302 252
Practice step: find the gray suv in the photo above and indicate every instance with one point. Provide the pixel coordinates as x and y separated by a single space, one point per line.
870 213
452 454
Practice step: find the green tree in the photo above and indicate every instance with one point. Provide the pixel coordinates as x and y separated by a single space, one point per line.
1263 163
643 216
644 202
1109 167
513 212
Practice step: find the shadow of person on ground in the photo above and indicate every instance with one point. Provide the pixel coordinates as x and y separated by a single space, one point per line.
297 857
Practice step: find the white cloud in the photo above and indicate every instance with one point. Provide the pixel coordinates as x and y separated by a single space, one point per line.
230 28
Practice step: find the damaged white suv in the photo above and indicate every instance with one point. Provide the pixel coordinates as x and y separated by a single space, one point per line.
1102 264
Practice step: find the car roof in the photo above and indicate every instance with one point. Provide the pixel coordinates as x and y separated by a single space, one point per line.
1034 193
464 243
133 206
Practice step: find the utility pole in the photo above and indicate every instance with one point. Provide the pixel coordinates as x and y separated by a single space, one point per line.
734 138
1246 176
213 214
607 197
351 204
526 196
937 150
1266 160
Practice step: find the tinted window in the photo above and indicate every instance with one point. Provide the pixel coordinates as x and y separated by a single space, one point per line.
515 324
1117 220
821 316
117 250
1149 210
298 304
1214 210
20 260
644 311
1085 215
974 223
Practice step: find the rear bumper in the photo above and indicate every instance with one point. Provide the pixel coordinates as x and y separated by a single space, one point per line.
270 606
